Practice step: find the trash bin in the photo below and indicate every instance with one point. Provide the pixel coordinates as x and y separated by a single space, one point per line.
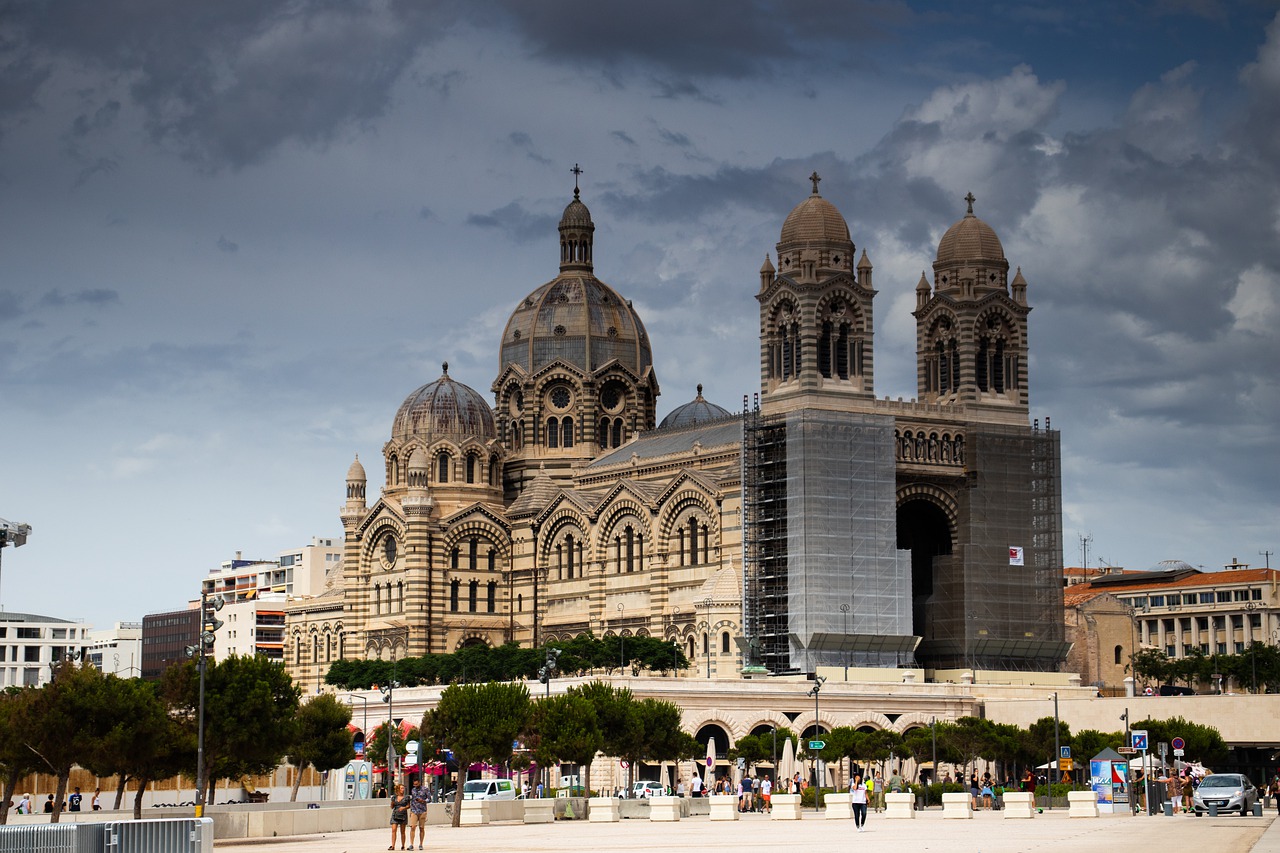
1213 809
1257 809
1168 808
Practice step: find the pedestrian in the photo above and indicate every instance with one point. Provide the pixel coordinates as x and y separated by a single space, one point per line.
48 805
76 799
418 799
96 802
1189 793
858 800
24 804
399 816
1174 789
876 787
695 785
1275 793
766 794
747 788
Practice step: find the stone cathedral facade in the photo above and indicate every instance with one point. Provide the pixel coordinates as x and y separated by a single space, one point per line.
817 527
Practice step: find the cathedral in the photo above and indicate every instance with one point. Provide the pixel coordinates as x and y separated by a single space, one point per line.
815 526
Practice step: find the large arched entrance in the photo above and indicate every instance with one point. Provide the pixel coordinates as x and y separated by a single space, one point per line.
923 529
703 736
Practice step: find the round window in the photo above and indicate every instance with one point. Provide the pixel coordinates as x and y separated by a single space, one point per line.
517 402
612 397
560 397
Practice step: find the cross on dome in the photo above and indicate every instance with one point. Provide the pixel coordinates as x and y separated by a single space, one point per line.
969 198
577 170
816 180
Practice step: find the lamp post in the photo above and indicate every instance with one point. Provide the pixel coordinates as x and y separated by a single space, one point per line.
204 645
844 609
818 681
388 696
351 697
933 731
1057 751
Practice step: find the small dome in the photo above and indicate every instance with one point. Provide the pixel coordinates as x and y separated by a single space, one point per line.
444 409
418 459
1172 566
697 411
970 239
814 220
576 214
356 471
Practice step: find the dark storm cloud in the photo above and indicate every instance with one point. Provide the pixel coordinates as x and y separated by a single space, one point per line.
96 296
522 142
227 82
516 222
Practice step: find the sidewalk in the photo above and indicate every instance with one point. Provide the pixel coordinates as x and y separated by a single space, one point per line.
987 832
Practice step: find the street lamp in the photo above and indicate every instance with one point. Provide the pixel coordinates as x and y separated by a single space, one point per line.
351 697
388 694
209 622
844 609
1057 751
818 681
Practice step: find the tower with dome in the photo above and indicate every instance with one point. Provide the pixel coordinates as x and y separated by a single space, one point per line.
821 526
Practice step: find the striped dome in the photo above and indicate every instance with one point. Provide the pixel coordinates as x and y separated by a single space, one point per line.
696 411
444 409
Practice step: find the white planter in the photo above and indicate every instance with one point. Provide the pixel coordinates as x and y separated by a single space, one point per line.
724 806
540 811
1019 804
957 805
900 806
602 810
838 806
1082 804
785 807
474 813
664 809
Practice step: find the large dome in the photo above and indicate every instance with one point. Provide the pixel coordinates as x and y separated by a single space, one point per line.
697 411
970 239
814 220
444 409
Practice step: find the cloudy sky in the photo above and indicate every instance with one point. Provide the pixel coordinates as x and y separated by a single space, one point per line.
236 235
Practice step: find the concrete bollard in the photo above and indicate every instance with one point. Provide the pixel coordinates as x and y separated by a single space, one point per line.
1082 804
540 810
900 806
1019 804
838 806
474 813
725 806
956 804
786 807
602 810
664 809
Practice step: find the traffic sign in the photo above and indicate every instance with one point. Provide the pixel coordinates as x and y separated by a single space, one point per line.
1127 750
815 745
1179 743
1065 764
1064 752
1178 753
1138 739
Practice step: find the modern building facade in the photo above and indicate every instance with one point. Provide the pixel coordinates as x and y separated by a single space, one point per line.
117 650
166 637
31 647
815 527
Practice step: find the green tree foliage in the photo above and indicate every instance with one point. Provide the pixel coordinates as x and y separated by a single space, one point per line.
139 739
568 731
320 737
918 743
16 758
510 662
1087 743
753 749
1039 740
68 718
250 704
376 741
662 739
479 722
1203 743
969 739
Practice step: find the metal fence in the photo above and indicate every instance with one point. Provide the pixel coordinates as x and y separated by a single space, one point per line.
180 835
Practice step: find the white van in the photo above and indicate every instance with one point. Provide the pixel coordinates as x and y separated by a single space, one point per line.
489 789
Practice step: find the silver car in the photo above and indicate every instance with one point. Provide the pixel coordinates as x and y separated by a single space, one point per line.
1230 792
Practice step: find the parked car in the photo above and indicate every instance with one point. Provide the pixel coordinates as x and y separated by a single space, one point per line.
647 789
489 789
1230 792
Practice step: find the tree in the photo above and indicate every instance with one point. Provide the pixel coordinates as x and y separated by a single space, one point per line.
479 722
620 724
16 758
568 731
752 749
918 743
376 743
1089 742
321 738
1203 743
69 711
250 703
969 738
662 738
138 738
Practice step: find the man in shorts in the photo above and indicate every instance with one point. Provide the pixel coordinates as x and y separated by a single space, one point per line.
418 800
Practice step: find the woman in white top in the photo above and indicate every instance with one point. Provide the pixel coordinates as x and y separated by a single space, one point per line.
858 797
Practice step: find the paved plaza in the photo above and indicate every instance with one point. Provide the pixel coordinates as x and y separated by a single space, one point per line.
987 832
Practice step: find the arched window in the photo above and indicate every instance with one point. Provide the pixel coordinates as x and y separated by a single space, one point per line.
629 540
453 559
602 436
693 541
724 643
297 649
567 431
453 595
824 350
706 646
553 432
493 558
491 599
473 550
315 649
568 546
473 591
400 596
520 603
493 471
1118 653
442 468
471 467
377 600
617 432
842 352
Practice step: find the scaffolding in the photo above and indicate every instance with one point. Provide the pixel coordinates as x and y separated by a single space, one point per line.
764 564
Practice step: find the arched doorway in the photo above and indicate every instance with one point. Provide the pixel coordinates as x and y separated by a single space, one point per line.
723 742
924 530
